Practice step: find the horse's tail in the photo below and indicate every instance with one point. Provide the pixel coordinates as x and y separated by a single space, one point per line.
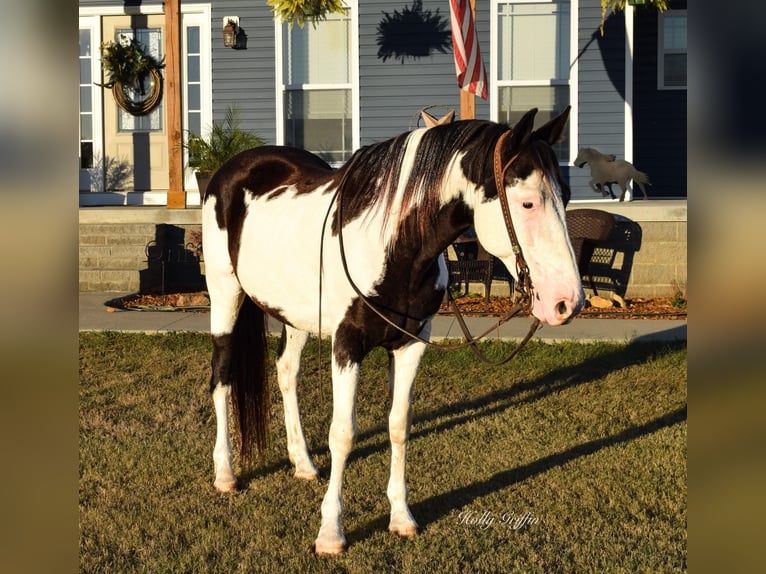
640 177
249 382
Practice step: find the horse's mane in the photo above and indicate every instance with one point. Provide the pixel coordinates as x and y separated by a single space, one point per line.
375 177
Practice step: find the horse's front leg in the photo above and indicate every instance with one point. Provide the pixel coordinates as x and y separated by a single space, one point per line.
288 372
598 187
405 361
342 432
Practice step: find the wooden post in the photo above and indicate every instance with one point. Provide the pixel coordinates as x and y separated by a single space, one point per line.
467 99
176 193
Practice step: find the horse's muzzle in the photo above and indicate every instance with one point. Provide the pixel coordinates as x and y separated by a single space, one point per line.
561 312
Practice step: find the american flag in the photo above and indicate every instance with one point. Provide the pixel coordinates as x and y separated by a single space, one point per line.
471 75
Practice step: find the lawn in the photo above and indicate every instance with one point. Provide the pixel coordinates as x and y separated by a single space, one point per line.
570 458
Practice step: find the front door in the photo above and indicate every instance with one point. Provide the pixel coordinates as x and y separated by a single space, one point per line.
135 147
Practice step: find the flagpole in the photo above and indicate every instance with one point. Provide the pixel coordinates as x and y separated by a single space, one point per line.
467 99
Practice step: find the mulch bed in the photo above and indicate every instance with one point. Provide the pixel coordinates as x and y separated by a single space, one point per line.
656 308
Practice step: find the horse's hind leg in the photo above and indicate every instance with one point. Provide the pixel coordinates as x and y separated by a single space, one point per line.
288 372
641 186
225 301
405 361
623 189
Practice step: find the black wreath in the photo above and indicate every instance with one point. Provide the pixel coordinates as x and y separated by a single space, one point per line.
145 105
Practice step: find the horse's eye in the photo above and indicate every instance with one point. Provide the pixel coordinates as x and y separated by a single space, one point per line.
527 205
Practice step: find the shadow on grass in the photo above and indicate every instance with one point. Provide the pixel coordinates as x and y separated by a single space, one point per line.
451 416
592 369
437 507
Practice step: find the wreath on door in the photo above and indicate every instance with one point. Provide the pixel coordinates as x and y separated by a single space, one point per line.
132 74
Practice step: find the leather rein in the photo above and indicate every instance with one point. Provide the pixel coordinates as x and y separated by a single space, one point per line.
523 285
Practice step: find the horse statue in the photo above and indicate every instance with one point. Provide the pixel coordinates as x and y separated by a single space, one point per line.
607 169
357 253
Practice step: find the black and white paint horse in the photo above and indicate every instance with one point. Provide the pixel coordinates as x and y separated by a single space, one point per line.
271 214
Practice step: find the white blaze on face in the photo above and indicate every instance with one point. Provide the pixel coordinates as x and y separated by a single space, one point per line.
539 219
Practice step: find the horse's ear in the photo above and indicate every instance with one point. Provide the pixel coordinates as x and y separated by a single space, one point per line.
522 129
553 131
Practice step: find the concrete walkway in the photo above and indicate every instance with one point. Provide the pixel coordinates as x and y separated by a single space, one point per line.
95 315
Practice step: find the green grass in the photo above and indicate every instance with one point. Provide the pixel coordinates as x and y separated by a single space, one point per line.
590 440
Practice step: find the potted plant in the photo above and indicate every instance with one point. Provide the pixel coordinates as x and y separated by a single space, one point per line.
618 5
302 11
226 139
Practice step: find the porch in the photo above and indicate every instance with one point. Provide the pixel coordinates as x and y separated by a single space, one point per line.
649 260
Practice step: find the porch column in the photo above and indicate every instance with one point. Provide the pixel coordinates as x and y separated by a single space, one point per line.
176 193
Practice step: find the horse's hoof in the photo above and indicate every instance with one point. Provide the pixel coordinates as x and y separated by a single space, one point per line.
324 549
225 486
306 475
406 533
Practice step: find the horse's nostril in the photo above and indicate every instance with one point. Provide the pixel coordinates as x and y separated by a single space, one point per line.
562 308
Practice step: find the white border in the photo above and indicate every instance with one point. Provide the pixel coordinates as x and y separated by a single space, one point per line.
628 129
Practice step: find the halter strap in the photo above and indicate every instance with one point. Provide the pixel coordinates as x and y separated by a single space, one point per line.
524 283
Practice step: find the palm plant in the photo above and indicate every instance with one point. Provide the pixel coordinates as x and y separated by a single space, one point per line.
226 139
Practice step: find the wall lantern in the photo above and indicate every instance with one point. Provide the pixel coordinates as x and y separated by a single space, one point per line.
230 33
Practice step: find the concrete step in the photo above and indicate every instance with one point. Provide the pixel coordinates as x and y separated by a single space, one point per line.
109 280
112 256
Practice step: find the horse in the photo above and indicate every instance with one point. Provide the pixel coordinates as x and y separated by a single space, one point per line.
606 170
357 253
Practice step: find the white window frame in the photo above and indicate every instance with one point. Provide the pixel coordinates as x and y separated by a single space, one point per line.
281 88
494 73
661 50
198 15
93 23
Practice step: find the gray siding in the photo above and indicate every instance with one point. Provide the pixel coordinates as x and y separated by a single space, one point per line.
392 92
246 78
601 78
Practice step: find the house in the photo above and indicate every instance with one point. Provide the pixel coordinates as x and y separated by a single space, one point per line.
363 76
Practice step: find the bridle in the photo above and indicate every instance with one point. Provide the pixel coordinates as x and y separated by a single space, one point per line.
523 286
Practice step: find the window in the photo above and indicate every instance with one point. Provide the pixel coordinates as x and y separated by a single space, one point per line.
193 84
197 97
533 44
671 59
151 40
91 110
318 70
86 99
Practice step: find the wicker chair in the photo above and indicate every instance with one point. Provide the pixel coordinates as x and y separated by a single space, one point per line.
472 265
587 228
